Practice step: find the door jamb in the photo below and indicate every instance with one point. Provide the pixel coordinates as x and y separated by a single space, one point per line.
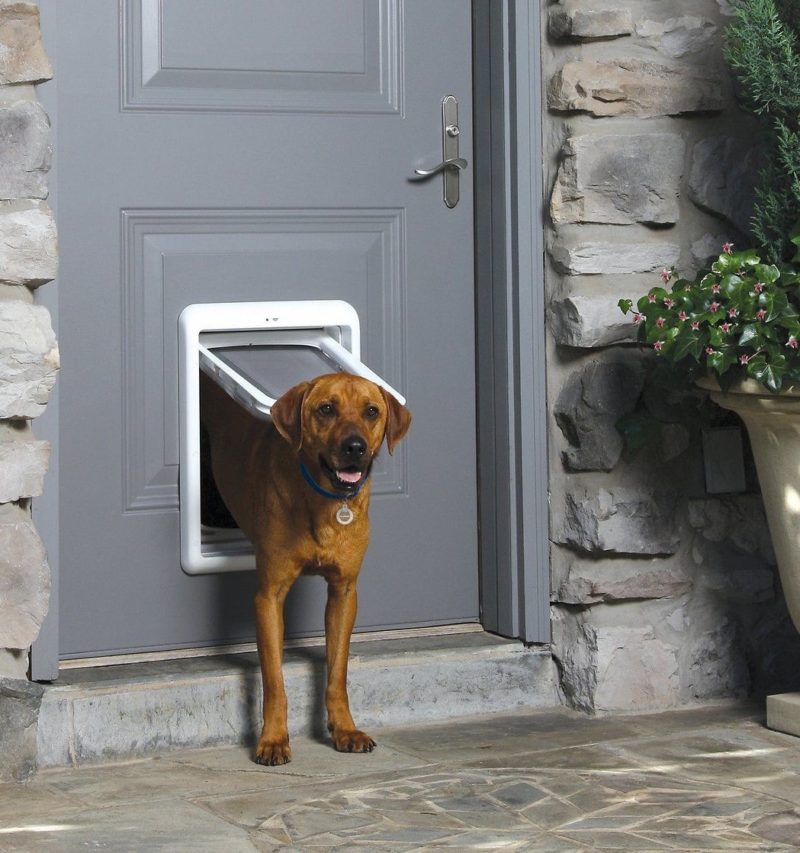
45 651
510 339
510 320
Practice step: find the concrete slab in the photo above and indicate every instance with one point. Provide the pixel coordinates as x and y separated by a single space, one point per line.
128 711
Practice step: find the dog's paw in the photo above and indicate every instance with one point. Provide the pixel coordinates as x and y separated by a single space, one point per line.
352 741
273 754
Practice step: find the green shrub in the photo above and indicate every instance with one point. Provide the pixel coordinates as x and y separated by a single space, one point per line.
762 48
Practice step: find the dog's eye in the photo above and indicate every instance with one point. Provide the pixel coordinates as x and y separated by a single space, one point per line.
326 409
372 412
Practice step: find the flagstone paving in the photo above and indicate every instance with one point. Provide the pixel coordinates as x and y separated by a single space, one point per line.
707 779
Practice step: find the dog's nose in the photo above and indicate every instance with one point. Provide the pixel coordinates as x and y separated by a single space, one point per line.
354 447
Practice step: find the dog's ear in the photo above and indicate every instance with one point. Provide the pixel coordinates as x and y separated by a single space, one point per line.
398 420
287 414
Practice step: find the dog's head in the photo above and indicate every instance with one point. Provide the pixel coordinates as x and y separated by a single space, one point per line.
337 423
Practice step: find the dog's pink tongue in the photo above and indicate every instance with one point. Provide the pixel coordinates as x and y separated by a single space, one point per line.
349 476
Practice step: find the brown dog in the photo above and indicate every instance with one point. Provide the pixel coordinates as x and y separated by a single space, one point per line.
286 485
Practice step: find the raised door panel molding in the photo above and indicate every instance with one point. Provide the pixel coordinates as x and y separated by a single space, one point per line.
306 56
173 258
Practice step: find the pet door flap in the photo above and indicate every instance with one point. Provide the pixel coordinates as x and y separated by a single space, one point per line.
256 368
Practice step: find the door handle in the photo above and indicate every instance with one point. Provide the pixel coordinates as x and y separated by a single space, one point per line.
452 165
455 163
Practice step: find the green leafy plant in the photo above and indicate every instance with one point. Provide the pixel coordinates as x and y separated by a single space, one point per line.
741 319
762 49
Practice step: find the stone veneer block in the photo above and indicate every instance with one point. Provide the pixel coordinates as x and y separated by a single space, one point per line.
706 249
24 584
634 87
22 55
28 359
722 178
28 246
715 659
677 37
588 408
590 320
24 151
619 179
574 19
23 464
637 670
622 580
622 521
783 713
738 519
596 258
606 668
19 711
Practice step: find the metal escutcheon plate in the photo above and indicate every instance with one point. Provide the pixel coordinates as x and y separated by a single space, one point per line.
450 133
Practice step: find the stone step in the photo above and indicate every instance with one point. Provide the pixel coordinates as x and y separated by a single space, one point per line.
131 710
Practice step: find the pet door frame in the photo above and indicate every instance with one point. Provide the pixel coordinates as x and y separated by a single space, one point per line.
330 326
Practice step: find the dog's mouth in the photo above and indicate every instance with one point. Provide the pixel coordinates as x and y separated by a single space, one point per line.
346 480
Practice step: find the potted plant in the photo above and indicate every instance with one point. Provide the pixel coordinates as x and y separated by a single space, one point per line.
736 327
738 320
736 331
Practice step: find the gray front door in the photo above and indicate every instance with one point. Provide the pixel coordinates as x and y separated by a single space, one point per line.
233 150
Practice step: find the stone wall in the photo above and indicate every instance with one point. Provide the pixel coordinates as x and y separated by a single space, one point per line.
28 366
661 593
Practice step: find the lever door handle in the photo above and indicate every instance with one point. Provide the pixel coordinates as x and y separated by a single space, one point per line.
453 163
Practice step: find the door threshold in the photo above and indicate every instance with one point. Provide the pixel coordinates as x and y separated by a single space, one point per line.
243 648
120 713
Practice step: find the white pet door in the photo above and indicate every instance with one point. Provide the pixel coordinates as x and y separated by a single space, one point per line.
255 351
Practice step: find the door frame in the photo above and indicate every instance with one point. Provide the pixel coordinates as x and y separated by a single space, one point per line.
513 515
513 486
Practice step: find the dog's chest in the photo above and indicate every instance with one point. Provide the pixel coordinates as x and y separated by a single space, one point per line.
336 547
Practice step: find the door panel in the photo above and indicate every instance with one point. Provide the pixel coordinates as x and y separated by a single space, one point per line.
251 150
263 55
174 259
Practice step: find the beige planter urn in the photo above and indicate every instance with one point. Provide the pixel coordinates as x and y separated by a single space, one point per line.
773 424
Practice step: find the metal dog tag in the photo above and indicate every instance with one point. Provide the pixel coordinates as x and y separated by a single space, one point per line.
344 515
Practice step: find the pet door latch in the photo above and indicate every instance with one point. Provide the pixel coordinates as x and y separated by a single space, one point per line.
452 165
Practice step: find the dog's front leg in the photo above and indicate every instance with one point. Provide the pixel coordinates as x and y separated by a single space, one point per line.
273 745
340 616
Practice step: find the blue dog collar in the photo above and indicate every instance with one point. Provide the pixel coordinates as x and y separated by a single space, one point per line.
324 492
